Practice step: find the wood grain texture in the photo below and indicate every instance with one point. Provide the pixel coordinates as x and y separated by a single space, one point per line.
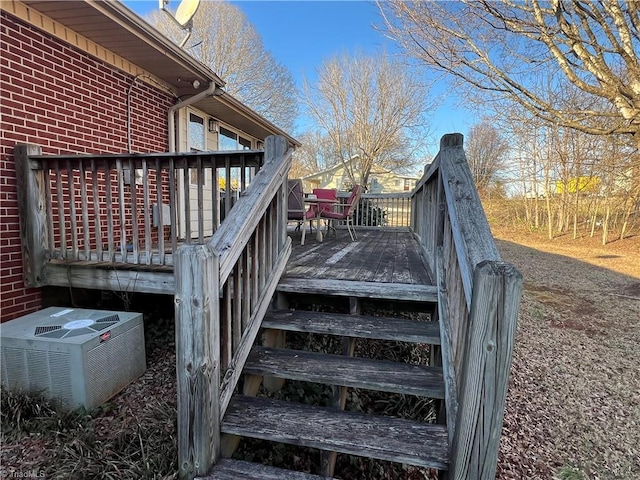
347 371
360 326
197 359
347 288
384 438
234 233
241 470
96 276
33 216
492 327
448 366
232 375
471 232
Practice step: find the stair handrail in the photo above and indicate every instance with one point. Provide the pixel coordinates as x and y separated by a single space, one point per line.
478 302
223 289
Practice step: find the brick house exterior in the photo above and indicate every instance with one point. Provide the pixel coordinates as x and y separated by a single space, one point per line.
60 97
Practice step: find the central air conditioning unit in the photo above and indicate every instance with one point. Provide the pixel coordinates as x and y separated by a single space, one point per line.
81 357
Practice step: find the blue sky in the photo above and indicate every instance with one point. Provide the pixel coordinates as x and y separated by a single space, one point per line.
301 34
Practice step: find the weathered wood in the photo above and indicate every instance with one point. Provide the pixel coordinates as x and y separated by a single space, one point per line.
273 339
96 208
344 288
72 210
497 288
146 213
111 247
241 470
471 232
33 216
234 233
255 322
385 376
160 203
361 326
121 219
197 359
97 277
448 367
384 438
84 209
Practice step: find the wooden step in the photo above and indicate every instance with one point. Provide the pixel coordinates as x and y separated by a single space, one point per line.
359 326
349 288
227 469
384 438
356 372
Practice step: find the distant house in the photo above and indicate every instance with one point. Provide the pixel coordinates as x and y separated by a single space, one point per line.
93 77
380 180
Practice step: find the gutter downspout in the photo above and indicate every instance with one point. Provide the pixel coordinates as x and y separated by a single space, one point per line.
212 90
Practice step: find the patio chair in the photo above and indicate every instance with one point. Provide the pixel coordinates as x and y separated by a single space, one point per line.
296 208
346 212
330 194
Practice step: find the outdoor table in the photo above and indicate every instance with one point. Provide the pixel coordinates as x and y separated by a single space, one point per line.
317 202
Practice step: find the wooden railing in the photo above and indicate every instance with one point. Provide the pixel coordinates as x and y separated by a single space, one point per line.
130 209
223 289
478 302
381 210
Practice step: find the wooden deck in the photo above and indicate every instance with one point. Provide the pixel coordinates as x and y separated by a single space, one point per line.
378 255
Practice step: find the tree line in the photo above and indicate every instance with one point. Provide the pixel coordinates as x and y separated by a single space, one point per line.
557 84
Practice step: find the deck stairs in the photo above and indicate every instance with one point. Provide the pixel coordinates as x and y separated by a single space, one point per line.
335 429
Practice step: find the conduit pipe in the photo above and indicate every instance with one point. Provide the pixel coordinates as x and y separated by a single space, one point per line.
212 90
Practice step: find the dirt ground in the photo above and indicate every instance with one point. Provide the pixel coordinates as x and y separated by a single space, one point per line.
573 405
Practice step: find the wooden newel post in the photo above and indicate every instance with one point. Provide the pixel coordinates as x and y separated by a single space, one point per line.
497 287
197 311
33 215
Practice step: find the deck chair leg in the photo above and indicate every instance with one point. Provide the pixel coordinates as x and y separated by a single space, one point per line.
304 231
351 230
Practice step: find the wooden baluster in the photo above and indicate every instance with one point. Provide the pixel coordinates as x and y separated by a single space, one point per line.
97 218
72 212
146 206
84 209
200 178
173 201
134 212
160 203
187 201
123 230
48 198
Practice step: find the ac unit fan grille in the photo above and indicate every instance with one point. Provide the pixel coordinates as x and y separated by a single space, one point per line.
57 331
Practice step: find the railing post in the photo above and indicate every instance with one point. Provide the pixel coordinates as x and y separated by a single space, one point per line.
197 312
497 287
33 215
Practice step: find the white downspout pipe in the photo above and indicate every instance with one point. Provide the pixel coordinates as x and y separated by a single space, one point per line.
171 117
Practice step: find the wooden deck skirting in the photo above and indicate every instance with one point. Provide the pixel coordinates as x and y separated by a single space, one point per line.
436 248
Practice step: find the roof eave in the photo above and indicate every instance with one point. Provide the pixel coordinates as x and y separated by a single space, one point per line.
123 15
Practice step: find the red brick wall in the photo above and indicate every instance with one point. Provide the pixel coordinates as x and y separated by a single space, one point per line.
60 98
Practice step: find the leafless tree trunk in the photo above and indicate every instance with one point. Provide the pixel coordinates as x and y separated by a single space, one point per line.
229 44
368 106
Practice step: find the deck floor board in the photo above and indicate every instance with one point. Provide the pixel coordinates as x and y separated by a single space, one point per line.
381 256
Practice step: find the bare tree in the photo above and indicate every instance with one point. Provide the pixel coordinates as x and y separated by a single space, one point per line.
228 43
316 153
497 46
486 150
369 107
